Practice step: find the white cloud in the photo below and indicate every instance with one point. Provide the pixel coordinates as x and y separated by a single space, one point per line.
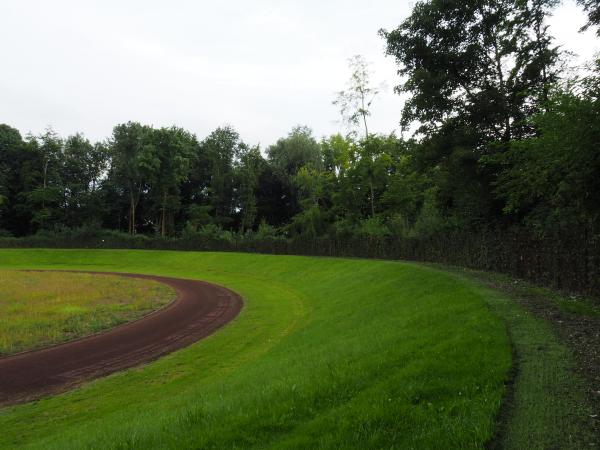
261 66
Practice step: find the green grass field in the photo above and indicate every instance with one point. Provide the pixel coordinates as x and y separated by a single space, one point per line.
39 309
327 353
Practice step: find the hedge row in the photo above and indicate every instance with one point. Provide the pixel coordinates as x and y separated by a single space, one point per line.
566 261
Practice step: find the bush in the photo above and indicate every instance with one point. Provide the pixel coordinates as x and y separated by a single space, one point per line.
373 228
568 260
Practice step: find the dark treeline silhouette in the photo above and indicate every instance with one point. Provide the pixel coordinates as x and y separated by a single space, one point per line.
504 146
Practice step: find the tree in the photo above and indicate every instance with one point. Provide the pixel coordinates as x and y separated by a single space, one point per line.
274 201
336 153
21 172
554 178
12 150
248 169
195 194
355 101
174 149
45 198
475 71
403 197
484 63
341 193
298 149
371 164
221 148
315 187
592 8
84 165
134 163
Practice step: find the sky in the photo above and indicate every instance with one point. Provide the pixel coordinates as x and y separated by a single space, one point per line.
260 66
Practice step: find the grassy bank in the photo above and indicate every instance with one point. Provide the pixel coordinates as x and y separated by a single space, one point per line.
39 309
327 353
546 405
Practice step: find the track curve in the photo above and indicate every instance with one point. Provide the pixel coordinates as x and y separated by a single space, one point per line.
198 311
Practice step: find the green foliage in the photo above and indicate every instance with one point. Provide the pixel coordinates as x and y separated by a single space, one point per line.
429 220
81 173
199 215
373 227
499 144
11 145
266 232
371 166
248 169
309 223
592 8
221 147
475 72
487 63
355 101
210 234
398 225
406 189
293 152
175 149
134 163
554 178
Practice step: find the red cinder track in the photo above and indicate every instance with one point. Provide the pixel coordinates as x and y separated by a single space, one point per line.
199 310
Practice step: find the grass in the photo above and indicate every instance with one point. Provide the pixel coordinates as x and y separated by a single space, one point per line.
39 309
547 408
576 304
327 353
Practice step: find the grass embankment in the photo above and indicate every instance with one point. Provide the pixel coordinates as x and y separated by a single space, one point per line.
546 406
39 309
327 353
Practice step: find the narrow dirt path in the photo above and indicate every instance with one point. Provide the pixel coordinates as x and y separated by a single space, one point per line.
199 310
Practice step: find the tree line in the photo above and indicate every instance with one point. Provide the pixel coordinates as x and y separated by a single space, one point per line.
502 139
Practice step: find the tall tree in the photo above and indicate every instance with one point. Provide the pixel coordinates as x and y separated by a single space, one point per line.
294 151
355 101
174 148
248 168
45 198
134 163
315 187
486 63
84 166
13 152
371 167
554 178
221 148
592 8
286 157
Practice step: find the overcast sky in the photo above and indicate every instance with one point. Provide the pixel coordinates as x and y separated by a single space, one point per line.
261 66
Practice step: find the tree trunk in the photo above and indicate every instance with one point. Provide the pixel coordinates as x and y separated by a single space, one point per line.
364 114
163 215
131 214
45 182
372 198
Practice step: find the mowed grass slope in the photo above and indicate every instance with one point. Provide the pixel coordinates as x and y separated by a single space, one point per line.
327 353
38 309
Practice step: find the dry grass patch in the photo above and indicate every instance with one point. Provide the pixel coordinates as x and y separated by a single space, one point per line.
38 309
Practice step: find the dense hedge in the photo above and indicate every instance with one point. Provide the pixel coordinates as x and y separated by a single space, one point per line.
569 262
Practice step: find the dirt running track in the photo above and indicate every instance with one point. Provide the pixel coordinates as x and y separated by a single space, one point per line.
199 310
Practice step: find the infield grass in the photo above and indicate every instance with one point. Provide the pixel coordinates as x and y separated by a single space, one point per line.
326 353
38 309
